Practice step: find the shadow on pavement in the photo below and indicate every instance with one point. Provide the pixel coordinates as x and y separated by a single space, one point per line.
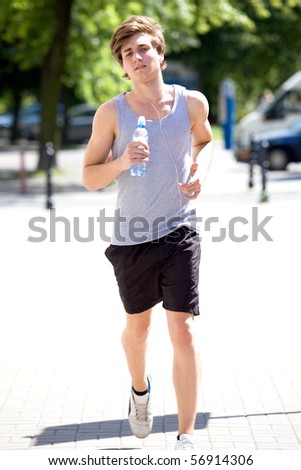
285 176
108 429
120 428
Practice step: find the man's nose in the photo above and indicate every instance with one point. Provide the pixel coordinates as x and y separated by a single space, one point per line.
137 55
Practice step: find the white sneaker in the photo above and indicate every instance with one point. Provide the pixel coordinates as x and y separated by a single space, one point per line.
185 442
140 413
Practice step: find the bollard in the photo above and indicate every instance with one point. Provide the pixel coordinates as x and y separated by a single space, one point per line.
49 154
253 161
22 177
264 164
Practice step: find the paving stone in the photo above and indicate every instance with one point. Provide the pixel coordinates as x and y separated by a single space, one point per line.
64 383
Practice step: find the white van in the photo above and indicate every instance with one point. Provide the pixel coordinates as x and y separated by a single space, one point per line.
278 114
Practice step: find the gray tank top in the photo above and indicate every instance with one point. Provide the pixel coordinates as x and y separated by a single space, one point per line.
152 206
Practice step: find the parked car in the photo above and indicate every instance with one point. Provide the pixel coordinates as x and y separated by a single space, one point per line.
284 145
6 121
79 123
78 127
280 113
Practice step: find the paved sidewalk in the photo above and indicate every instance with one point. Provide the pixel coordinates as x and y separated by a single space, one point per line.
63 377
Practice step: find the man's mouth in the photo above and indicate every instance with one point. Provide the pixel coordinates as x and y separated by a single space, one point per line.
140 67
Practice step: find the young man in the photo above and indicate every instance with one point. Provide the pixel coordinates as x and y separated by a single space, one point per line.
155 250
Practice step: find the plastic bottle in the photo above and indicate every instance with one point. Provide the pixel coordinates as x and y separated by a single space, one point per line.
140 134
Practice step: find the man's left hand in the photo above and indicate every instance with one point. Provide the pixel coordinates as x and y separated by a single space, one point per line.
192 189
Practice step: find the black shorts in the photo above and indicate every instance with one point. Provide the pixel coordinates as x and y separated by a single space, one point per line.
165 270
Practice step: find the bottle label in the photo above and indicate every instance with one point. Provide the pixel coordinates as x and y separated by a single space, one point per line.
141 135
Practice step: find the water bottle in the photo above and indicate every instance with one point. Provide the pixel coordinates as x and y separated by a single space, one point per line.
140 134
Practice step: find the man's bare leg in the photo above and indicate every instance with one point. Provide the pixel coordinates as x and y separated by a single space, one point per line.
135 341
186 368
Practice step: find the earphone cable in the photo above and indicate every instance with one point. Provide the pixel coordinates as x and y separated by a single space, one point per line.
168 149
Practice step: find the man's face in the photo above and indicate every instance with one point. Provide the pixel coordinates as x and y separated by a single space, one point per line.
140 59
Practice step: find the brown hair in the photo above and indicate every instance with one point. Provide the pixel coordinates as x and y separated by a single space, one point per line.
133 25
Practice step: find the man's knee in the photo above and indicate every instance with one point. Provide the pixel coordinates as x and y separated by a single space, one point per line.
139 333
137 329
181 332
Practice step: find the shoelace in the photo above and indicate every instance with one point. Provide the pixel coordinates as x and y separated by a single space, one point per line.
141 411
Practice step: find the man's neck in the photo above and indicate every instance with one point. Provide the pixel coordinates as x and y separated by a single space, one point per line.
154 100
156 92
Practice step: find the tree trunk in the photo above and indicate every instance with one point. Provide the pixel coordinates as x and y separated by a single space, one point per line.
51 73
17 98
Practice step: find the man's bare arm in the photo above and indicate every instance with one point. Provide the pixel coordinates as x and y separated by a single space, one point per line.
97 171
202 146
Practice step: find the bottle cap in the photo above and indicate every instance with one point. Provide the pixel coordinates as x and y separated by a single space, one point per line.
141 121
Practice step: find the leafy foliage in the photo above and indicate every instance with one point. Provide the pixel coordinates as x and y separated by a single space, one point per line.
257 43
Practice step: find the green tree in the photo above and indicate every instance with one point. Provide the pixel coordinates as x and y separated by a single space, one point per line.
257 54
68 41
52 69
38 32
15 81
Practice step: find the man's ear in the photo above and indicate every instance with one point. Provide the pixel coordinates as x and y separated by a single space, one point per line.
125 75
